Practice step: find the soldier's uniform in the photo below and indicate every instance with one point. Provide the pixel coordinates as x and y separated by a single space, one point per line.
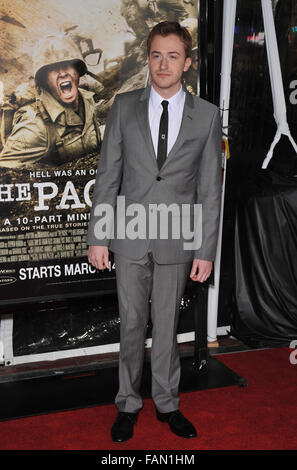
45 132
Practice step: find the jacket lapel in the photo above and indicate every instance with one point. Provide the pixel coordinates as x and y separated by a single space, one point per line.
143 121
186 124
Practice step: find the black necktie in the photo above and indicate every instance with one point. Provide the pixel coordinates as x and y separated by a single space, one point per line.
163 135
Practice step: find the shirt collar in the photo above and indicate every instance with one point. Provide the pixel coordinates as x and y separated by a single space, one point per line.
174 102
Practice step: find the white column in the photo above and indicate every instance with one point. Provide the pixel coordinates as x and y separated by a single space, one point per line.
7 338
227 54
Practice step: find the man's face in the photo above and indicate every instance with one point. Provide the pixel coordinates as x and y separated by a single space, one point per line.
167 61
63 80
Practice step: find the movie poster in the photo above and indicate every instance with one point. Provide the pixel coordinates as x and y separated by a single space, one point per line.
52 120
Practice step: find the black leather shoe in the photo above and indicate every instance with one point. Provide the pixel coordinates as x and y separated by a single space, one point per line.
178 424
122 429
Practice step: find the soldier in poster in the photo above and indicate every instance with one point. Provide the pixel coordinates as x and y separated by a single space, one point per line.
49 136
61 124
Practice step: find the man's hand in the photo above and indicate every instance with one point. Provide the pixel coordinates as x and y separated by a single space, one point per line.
204 270
98 257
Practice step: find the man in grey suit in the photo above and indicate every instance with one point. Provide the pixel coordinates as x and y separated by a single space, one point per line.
161 149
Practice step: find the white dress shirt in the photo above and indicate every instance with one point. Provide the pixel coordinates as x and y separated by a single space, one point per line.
175 114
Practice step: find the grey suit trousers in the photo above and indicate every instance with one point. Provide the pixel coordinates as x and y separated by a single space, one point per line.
141 284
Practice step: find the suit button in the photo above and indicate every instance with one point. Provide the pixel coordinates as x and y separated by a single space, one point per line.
159 178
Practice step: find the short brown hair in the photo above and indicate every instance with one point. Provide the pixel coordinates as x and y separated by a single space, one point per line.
171 27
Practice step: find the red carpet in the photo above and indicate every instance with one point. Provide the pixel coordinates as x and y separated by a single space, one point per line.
261 416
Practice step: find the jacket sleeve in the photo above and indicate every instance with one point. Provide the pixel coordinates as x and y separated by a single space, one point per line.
108 180
209 189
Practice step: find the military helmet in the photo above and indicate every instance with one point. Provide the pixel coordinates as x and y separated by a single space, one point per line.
56 49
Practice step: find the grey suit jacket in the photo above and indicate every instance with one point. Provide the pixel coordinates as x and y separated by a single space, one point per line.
190 175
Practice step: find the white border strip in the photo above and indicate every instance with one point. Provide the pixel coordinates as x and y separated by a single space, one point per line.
89 351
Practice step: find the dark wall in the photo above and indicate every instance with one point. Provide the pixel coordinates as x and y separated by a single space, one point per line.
252 125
